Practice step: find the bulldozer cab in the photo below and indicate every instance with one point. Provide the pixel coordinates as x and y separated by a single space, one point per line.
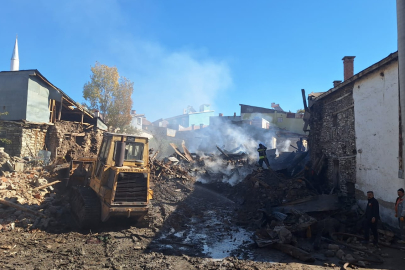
133 152
119 176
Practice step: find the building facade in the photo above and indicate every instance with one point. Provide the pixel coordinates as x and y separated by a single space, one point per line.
355 135
292 122
189 118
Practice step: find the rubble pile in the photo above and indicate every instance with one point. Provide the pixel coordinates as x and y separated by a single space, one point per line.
71 140
161 171
285 212
28 200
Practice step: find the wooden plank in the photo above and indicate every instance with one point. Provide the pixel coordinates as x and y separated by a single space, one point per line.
304 100
60 109
186 152
220 150
46 185
178 152
22 208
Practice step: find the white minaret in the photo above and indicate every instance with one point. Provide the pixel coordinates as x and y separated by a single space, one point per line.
15 62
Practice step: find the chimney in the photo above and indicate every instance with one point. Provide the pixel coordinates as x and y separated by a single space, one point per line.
221 114
192 127
133 111
348 66
336 83
96 113
234 114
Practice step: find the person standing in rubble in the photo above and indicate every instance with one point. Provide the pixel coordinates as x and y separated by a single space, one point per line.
400 211
263 156
300 146
372 216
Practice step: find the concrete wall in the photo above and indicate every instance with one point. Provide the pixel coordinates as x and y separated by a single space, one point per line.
377 138
187 120
182 120
200 118
13 94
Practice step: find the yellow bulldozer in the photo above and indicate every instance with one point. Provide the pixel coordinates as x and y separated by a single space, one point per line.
116 183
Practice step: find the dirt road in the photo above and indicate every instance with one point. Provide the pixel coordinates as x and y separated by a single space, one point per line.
191 227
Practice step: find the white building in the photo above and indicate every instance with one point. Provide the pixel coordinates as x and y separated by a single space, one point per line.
136 121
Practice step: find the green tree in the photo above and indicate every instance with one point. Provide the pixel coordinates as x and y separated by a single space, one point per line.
300 111
110 94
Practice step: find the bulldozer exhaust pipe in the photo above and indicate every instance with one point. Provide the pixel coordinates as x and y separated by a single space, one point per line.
120 153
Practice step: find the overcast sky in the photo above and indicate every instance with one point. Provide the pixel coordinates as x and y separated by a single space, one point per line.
181 53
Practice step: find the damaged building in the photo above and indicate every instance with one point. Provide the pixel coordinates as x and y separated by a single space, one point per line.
36 115
355 137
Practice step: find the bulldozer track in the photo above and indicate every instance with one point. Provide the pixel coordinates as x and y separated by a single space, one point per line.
86 207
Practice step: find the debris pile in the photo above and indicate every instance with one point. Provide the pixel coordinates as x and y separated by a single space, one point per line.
70 140
284 210
28 199
161 171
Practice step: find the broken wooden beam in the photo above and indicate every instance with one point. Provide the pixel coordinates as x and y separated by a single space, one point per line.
47 185
22 208
178 152
154 156
186 152
220 150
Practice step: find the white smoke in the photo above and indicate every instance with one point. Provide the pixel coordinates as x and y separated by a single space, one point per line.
232 138
219 169
228 136
283 146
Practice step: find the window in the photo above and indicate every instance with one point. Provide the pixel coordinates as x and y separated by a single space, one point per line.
139 121
105 146
280 119
133 151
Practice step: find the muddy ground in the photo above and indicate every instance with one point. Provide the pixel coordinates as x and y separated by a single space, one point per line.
191 226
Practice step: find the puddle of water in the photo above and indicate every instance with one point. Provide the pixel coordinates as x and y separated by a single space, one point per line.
225 246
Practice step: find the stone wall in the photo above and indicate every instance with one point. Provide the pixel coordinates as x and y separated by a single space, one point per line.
65 140
26 138
333 136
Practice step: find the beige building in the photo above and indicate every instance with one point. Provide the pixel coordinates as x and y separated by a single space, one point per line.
292 122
